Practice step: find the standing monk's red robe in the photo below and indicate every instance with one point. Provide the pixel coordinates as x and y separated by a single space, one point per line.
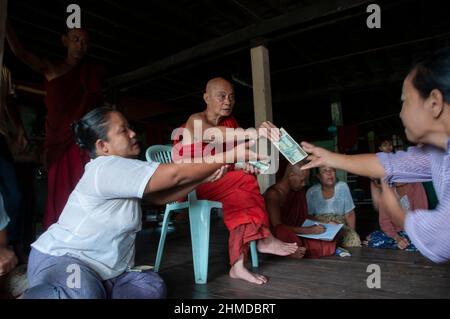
244 211
293 213
69 97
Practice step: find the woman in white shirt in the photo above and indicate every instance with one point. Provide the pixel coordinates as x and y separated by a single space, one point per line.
331 201
88 252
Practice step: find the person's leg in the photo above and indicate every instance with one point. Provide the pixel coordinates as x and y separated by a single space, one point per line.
347 237
62 277
136 285
243 206
240 237
285 234
274 246
379 239
238 250
238 271
350 237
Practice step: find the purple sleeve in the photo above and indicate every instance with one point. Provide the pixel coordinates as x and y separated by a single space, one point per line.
406 167
428 230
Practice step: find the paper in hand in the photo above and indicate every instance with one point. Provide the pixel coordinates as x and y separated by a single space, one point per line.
290 149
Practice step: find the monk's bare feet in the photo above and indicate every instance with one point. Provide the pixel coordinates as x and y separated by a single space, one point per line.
271 245
299 253
238 271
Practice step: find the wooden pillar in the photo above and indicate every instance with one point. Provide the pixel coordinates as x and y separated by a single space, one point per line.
336 118
262 99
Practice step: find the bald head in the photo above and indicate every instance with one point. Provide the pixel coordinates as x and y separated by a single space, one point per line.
293 170
296 176
217 83
219 97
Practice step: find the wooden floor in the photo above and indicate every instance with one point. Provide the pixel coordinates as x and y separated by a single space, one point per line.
403 274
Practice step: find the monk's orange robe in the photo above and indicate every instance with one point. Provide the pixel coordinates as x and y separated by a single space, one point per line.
293 213
244 211
69 97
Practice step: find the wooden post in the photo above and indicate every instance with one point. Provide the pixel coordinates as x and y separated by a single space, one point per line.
336 117
262 99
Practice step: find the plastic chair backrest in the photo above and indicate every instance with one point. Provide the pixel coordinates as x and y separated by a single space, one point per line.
159 153
163 154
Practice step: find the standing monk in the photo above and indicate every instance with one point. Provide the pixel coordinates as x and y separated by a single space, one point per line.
243 206
73 87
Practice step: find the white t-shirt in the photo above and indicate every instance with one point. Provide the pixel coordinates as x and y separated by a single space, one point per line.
102 216
340 204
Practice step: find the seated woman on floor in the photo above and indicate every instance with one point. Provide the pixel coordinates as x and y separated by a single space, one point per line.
412 196
331 202
88 253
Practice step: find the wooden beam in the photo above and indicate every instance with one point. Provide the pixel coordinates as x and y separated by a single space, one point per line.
262 100
241 38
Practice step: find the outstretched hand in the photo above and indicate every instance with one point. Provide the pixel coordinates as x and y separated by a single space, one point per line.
318 156
244 153
268 130
315 229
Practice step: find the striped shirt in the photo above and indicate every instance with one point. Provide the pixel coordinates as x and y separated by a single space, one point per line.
429 230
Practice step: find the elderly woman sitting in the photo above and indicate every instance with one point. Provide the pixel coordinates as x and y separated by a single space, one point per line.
331 202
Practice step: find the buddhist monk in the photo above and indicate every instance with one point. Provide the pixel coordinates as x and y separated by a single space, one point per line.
73 87
243 206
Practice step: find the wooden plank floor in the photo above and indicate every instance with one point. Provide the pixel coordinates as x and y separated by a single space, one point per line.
403 274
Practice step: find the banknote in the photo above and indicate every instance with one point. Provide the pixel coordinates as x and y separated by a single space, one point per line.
261 166
290 148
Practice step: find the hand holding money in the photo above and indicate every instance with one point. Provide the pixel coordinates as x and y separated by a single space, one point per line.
318 156
289 148
269 131
253 167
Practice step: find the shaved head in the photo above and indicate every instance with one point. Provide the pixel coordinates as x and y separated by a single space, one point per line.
293 170
219 97
296 176
217 83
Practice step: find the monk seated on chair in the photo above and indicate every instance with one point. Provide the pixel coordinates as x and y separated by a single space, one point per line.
243 206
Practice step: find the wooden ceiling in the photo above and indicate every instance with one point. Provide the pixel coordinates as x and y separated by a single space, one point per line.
320 51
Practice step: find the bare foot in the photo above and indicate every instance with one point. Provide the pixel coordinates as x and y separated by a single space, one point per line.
238 271
271 245
299 253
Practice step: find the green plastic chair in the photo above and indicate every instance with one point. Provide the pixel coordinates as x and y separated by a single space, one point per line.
199 220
